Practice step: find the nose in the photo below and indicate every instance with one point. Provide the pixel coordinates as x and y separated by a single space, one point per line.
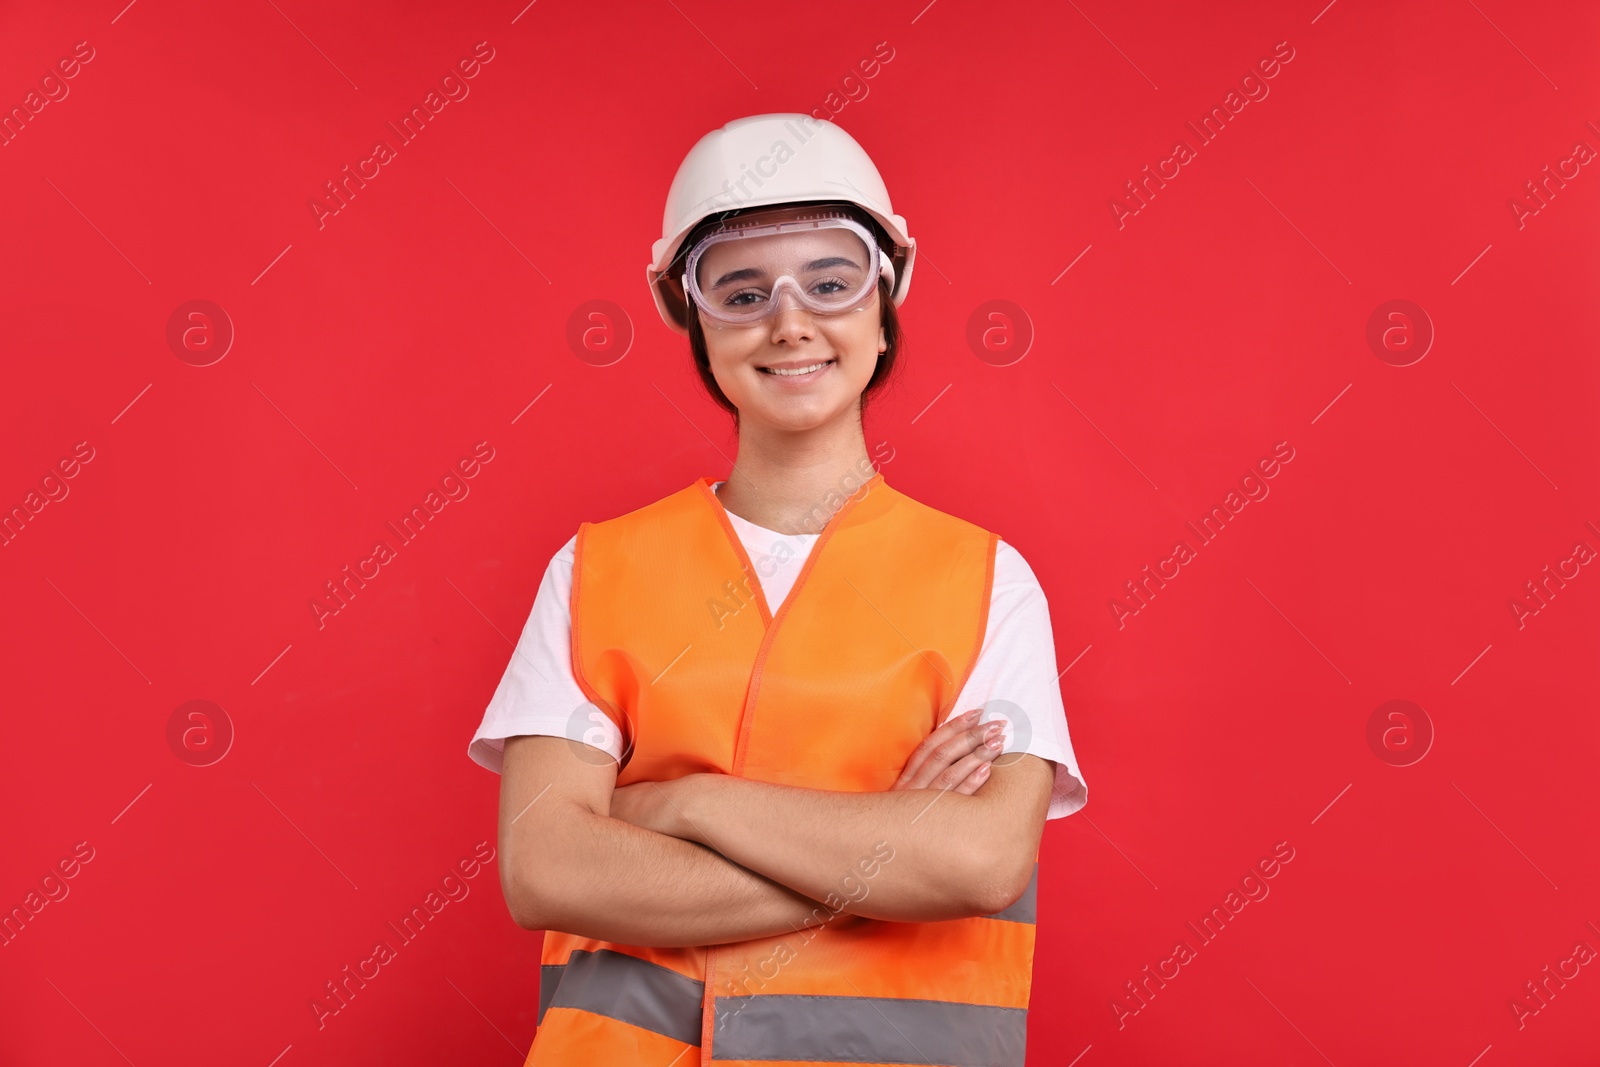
792 320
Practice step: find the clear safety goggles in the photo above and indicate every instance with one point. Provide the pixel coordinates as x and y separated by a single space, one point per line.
829 263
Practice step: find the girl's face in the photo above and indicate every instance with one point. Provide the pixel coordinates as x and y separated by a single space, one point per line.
845 345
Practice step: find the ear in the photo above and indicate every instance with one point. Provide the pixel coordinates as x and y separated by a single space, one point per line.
883 341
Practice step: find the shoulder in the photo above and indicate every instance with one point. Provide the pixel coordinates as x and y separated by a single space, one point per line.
665 509
555 587
1011 567
930 520
634 546
1017 591
630 540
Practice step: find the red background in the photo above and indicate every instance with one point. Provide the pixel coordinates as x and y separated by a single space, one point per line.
1228 314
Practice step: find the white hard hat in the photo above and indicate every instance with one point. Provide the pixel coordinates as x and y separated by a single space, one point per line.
759 161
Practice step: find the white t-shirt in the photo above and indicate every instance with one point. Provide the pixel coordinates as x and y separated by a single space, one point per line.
1014 678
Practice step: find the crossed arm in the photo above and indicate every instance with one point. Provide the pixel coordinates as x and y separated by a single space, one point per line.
710 858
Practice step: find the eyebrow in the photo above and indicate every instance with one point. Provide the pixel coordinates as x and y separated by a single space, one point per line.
750 273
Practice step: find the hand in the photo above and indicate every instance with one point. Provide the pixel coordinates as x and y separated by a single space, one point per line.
650 805
955 756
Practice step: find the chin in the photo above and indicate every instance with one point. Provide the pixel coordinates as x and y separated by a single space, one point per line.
800 420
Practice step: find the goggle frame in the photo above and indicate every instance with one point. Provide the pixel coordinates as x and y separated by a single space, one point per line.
759 225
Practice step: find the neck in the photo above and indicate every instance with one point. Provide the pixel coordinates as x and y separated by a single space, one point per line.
794 481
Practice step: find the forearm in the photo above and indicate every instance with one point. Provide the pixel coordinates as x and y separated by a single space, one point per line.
604 878
942 845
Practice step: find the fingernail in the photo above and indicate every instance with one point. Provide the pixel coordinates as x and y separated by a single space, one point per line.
995 741
982 772
973 714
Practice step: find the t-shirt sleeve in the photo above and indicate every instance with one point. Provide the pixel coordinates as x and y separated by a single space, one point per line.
1015 678
537 693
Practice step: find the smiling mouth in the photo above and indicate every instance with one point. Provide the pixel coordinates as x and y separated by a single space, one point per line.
797 372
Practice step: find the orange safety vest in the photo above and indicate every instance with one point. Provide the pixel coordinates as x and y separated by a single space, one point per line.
673 638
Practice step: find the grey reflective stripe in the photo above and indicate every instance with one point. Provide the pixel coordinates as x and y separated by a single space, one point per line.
625 988
549 978
1025 907
781 1026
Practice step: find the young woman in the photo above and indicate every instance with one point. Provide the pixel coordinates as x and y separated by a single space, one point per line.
777 751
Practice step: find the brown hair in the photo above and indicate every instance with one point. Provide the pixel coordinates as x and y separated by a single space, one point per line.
888 316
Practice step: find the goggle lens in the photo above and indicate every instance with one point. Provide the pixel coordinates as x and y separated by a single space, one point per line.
739 277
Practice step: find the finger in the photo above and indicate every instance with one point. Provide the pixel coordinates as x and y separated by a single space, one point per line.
984 740
938 770
942 757
948 730
974 767
944 733
969 785
939 755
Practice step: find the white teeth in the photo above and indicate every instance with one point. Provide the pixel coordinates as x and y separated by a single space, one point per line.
797 370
